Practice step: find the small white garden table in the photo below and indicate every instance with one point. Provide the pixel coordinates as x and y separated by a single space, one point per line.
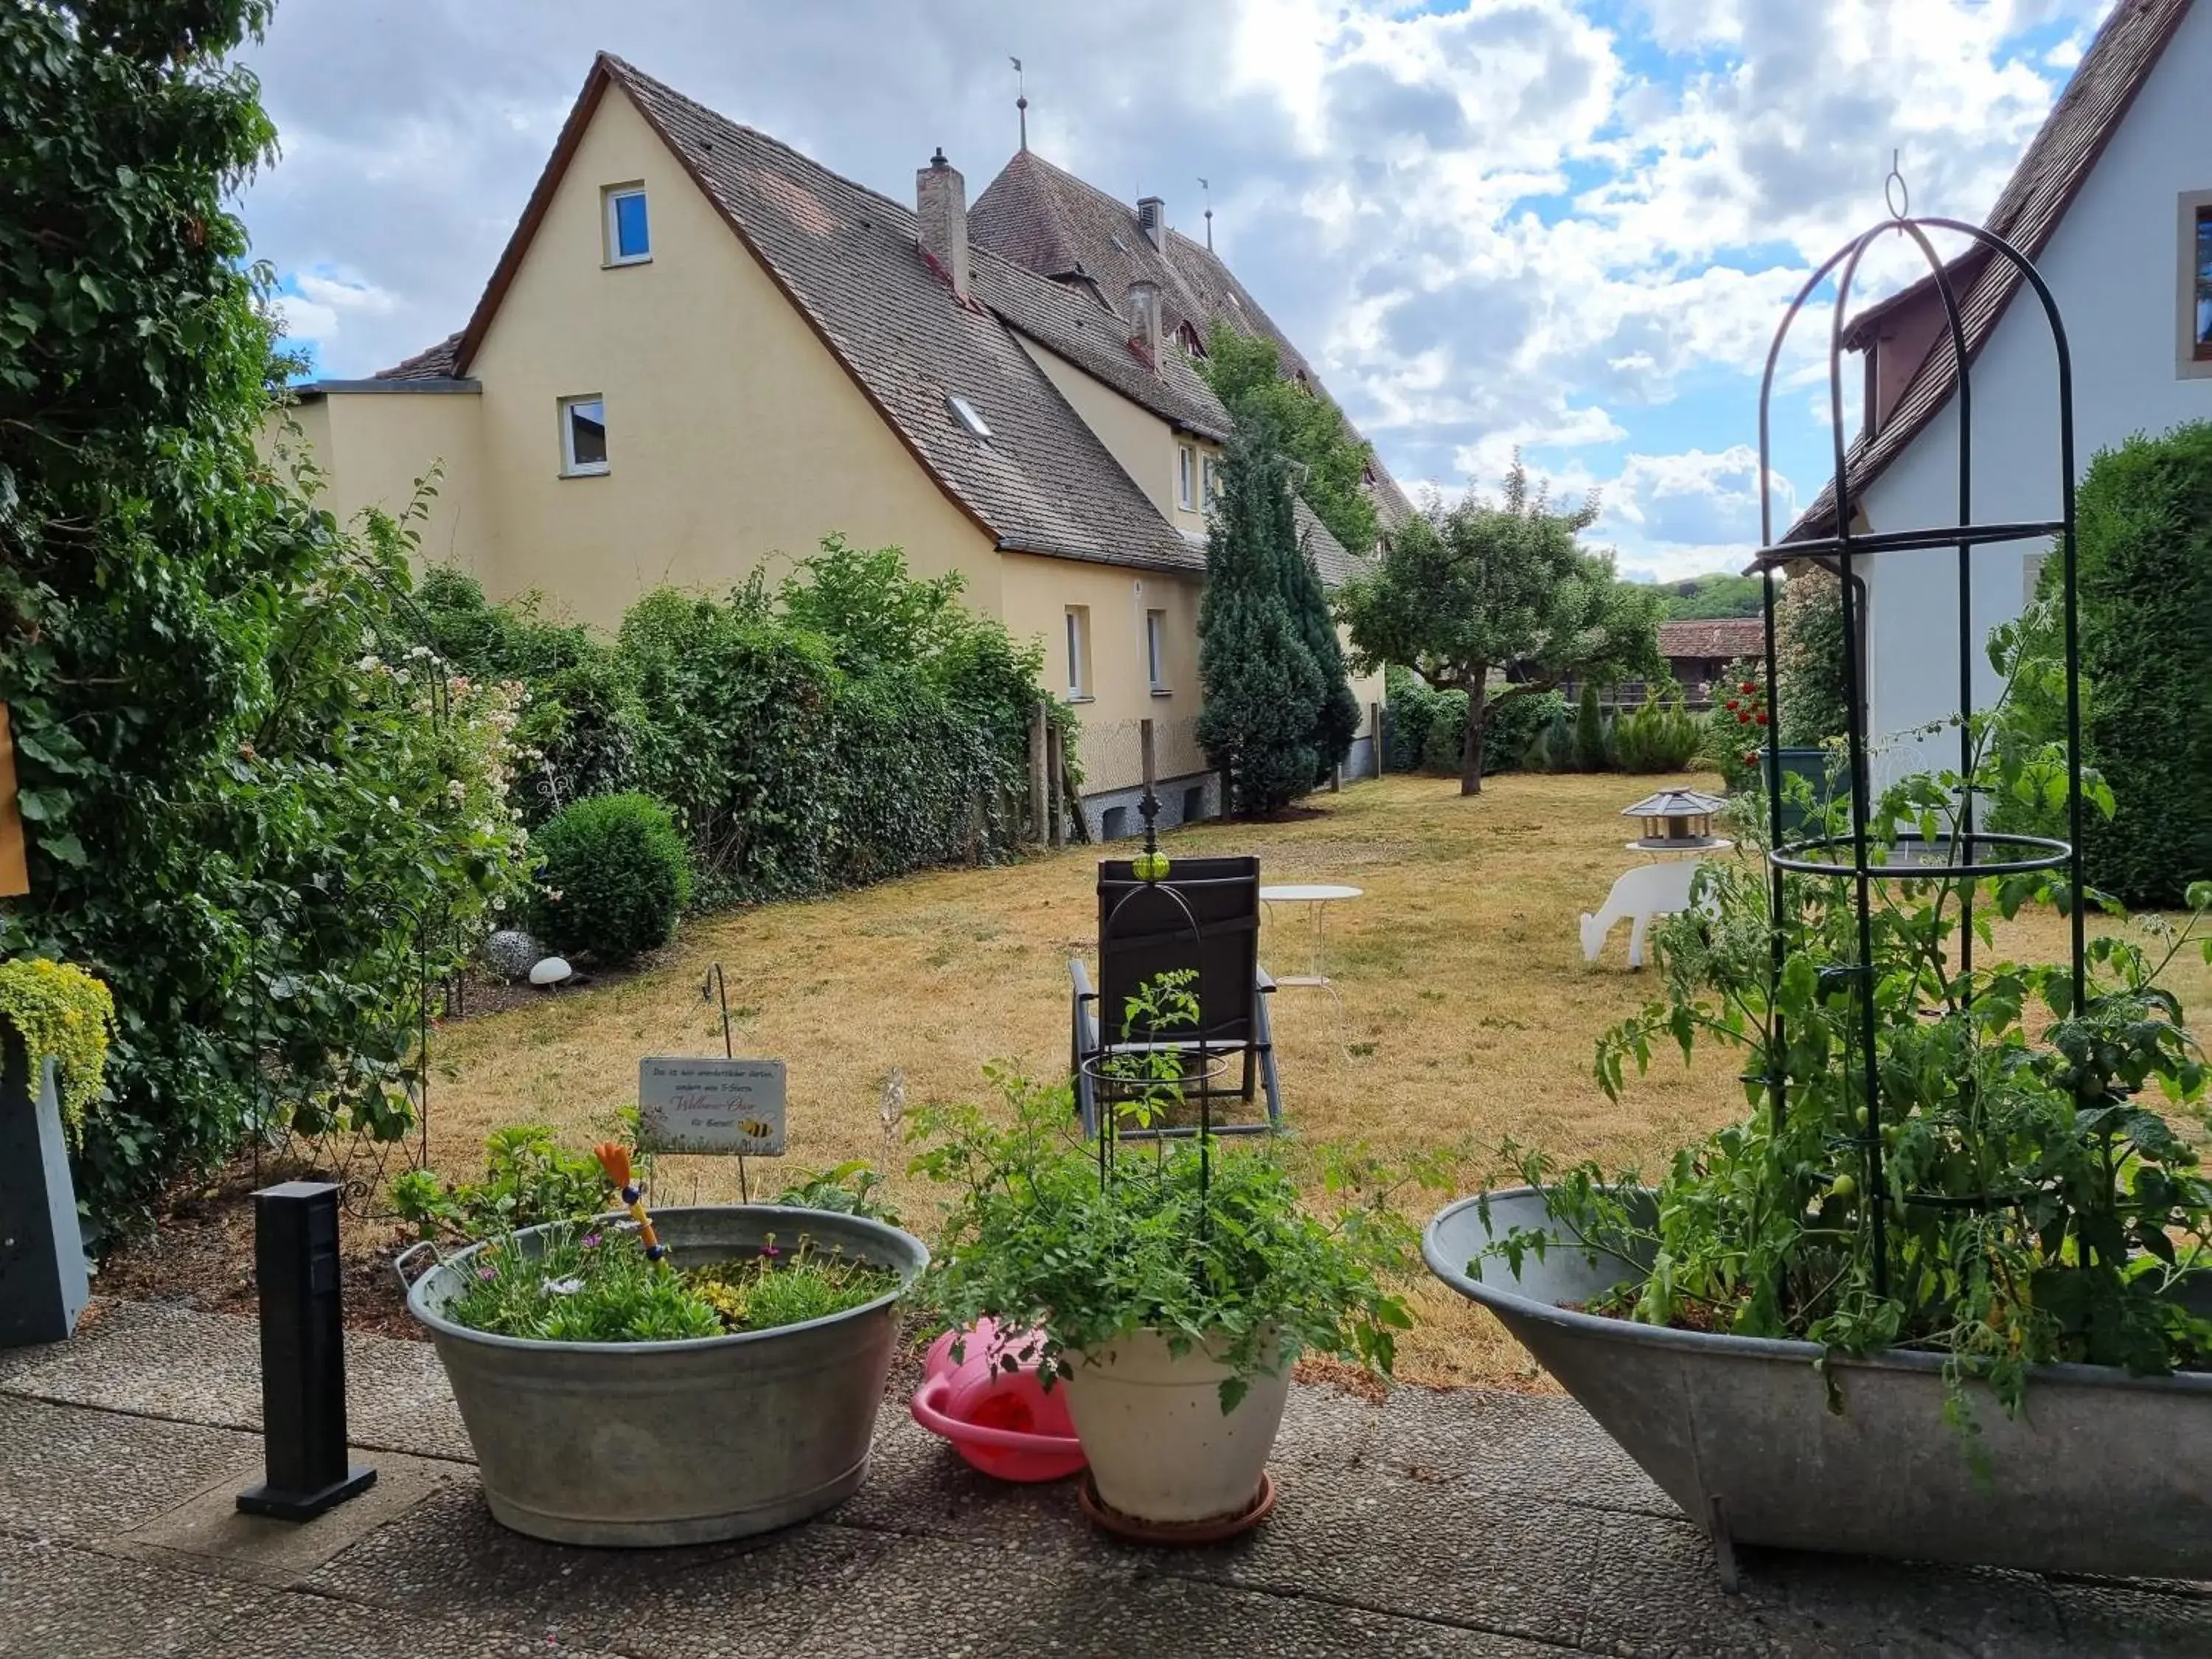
1320 896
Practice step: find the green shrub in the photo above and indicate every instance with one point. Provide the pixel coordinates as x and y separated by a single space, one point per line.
1447 734
1661 736
1516 723
1410 709
1592 748
616 878
1809 658
2146 607
1552 748
528 1179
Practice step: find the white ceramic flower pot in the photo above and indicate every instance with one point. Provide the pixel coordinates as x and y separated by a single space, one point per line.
1151 1425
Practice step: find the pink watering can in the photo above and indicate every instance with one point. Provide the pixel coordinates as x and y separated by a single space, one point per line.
1002 1421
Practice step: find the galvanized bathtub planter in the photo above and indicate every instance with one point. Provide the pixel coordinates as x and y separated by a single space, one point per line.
2105 1473
678 1442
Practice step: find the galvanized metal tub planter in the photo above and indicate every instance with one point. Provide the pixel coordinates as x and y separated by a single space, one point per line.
2103 1472
678 1442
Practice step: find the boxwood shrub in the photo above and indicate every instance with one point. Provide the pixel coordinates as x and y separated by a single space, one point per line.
616 877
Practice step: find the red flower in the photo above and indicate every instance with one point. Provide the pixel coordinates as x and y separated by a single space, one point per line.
1749 687
1762 720
1731 703
1750 758
1745 720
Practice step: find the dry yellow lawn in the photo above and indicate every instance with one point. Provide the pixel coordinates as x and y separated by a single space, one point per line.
1468 1012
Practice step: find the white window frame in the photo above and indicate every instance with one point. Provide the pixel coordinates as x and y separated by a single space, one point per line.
1187 477
2188 364
1079 653
570 466
610 232
1209 481
1156 651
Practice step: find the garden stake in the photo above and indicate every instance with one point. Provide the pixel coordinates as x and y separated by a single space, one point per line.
714 982
614 1158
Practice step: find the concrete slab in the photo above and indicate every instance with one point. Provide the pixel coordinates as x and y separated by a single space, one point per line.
289 1626
66 1472
206 1367
1436 1550
60 1601
941 1596
2133 1624
207 1534
1656 1591
1539 1445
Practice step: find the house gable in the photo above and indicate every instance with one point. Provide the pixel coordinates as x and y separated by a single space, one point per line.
1913 370
735 434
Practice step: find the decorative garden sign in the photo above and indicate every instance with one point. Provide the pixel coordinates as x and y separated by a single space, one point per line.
15 876
686 1103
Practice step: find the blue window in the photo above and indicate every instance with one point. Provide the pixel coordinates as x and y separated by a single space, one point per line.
628 241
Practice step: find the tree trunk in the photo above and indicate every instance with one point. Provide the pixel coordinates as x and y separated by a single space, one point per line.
1470 748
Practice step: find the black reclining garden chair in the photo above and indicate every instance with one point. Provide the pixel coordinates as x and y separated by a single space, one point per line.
1144 934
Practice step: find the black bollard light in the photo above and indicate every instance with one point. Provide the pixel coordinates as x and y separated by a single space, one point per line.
303 1413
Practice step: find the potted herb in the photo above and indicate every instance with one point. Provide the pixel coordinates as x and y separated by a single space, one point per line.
1174 1285
698 1374
1974 1324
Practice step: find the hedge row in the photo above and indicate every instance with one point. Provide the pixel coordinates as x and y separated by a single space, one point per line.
853 724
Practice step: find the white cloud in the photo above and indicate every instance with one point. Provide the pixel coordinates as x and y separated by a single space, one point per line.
1514 221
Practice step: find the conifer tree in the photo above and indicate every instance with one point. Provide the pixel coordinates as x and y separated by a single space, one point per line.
1265 695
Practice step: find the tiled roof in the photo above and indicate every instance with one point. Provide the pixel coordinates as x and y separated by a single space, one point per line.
847 259
1052 222
2050 173
434 364
1716 637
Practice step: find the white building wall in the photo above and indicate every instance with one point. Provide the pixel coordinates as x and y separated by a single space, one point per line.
2113 265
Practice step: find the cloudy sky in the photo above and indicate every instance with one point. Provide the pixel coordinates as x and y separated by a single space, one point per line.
1565 225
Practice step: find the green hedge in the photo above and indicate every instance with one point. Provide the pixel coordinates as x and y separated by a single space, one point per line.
1425 726
2145 531
853 724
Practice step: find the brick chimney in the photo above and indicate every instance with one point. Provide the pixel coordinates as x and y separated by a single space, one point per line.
1143 306
940 209
1152 220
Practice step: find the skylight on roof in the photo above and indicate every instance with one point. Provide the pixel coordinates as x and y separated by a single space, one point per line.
1119 243
972 422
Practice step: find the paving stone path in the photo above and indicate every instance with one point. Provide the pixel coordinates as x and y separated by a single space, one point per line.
1457 1526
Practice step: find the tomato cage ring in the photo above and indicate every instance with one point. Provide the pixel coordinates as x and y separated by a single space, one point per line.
2042 852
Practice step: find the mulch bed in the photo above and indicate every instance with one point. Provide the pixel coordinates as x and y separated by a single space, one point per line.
200 1255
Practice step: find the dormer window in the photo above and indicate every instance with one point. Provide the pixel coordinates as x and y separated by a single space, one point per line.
629 238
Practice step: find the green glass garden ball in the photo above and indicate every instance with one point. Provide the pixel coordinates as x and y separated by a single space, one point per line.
1150 866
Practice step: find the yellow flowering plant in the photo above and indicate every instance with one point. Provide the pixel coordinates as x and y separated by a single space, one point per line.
64 1014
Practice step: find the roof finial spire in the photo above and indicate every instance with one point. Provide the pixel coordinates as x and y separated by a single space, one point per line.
1206 191
1021 101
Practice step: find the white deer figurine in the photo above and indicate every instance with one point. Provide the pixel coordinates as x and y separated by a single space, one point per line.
1648 890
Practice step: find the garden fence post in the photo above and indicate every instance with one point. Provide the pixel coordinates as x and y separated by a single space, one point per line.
1038 727
1056 785
1375 717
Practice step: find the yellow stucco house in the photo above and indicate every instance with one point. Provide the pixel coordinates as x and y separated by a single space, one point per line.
701 352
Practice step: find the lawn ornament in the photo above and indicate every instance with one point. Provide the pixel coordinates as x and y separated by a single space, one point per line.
1648 890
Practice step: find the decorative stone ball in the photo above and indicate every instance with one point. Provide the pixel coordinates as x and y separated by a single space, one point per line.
551 971
511 953
1150 866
